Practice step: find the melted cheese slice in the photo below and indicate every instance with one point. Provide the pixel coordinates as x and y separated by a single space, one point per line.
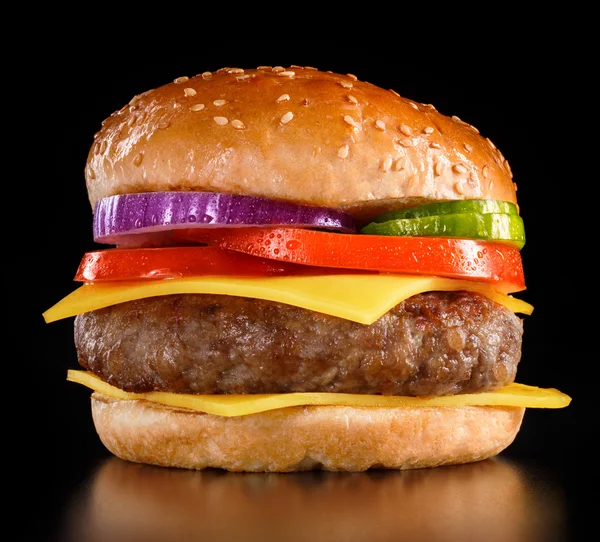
515 395
360 298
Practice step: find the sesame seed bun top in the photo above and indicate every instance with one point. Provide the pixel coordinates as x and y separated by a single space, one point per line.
294 134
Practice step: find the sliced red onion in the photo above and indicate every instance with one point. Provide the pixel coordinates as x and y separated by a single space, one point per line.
145 219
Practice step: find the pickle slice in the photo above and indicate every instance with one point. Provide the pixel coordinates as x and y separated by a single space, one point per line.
481 206
490 226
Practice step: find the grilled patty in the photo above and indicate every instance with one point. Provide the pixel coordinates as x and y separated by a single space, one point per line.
433 343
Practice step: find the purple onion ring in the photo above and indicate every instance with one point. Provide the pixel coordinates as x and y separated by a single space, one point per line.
146 218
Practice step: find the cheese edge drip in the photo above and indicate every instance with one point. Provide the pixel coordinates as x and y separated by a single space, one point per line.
360 298
513 395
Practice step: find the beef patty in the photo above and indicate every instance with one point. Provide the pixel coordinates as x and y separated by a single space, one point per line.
433 343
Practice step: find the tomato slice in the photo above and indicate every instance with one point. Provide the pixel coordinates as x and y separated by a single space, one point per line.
178 262
486 261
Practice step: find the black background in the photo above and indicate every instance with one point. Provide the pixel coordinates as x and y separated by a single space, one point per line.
528 102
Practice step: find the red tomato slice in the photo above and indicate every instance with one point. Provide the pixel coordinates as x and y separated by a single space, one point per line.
178 262
486 261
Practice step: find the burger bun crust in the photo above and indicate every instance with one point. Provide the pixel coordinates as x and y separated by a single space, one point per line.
295 134
303 438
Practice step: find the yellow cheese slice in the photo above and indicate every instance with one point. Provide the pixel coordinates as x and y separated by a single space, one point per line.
517 395
361 298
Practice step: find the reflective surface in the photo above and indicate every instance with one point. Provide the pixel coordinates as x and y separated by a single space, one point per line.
495 500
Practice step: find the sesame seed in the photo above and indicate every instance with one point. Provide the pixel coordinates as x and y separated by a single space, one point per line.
428 130
405 142
459 188
206 75
380 124
486 171
264 68
405 130
346 84
197 107
134 100
438 169
163 124
238 124
176 105
242 77
131 121
138 159
287 117
394 92
219 103
435 145
287 73
352 99
387 163
468 147
221 121
349 120
189 91
181 79
343 151
103 146
457 119
516 187
413 182
490 142
507 166
459 168
92 174
235 70
278 69
296 66
400 163
414 105
474 129
310 68
283 98
352 76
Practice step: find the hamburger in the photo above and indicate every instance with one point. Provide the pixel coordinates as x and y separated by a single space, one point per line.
302 270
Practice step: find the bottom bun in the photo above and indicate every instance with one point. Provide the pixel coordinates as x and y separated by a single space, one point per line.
293 439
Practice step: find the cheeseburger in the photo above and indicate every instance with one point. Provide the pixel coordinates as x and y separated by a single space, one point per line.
301 270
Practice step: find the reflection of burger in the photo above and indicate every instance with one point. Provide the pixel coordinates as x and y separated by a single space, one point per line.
488 500
310 272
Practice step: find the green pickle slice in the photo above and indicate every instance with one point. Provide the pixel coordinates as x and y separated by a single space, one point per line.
481 206
490 226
